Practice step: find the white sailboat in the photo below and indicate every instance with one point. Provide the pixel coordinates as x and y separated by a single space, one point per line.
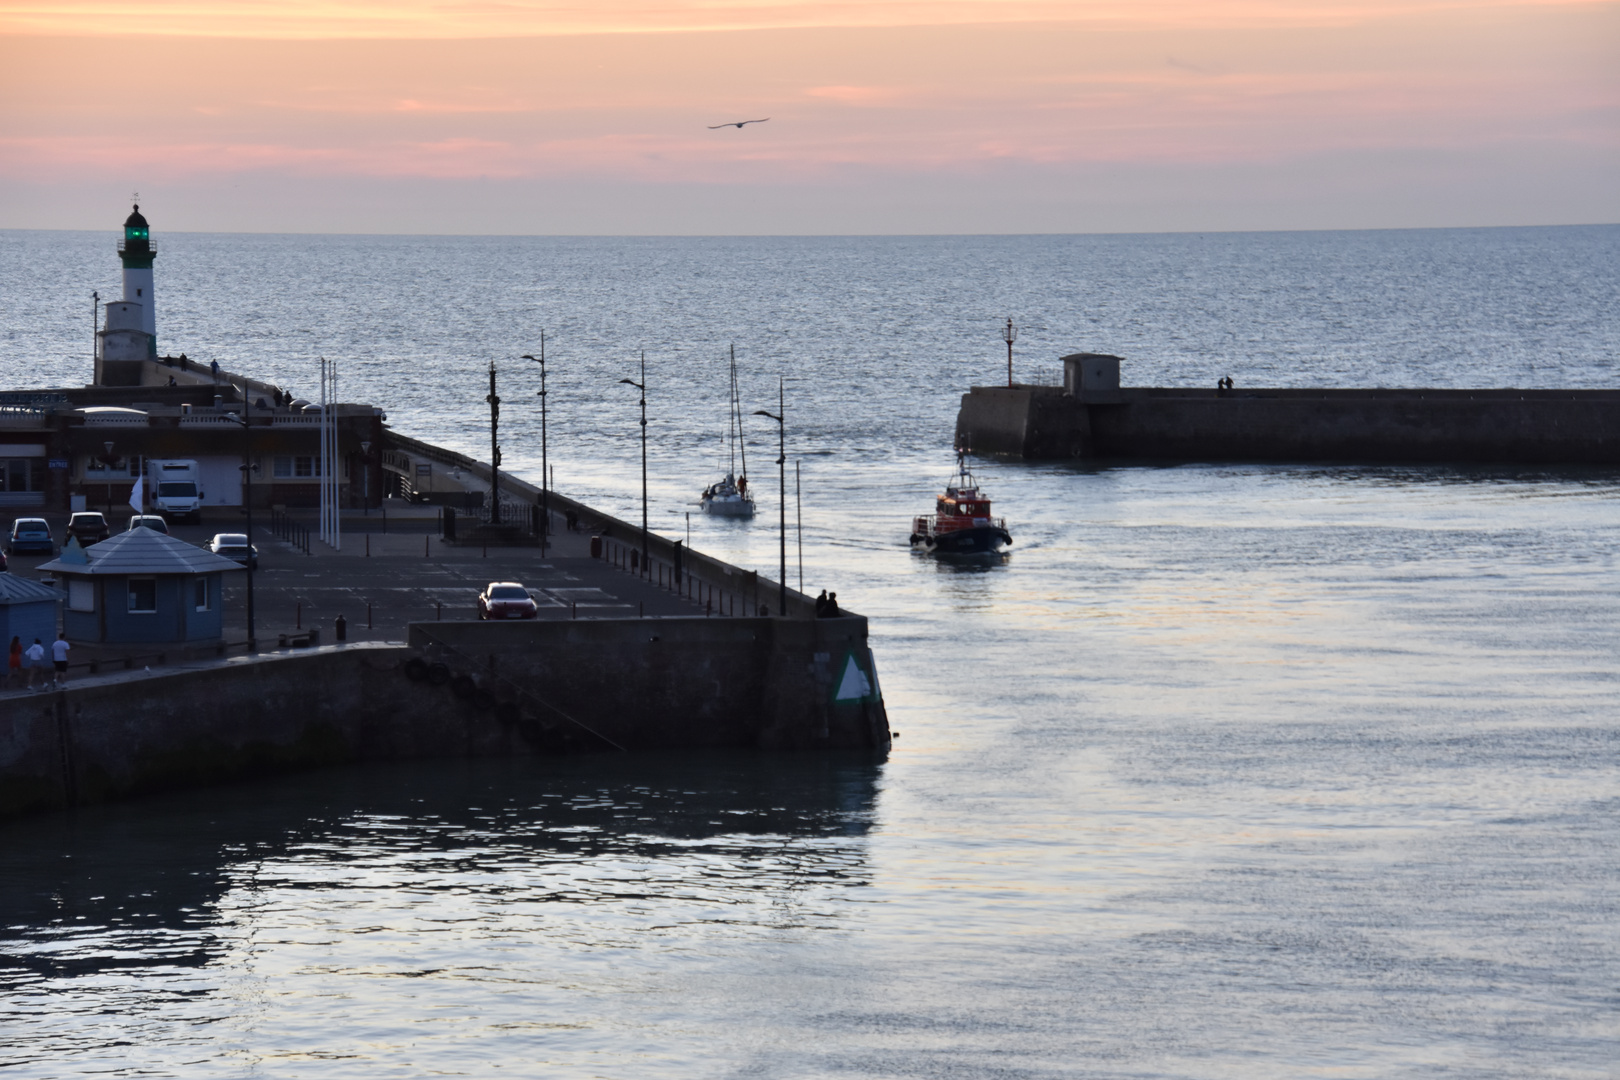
729 497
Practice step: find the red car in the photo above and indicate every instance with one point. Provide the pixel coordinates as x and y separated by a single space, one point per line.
506 600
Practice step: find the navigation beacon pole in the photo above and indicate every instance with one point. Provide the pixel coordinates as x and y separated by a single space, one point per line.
1009 335
136 252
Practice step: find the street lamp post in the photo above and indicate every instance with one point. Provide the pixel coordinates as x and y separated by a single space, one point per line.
781 474
545 473
642 386
494 449
247 501
107 462
1009 335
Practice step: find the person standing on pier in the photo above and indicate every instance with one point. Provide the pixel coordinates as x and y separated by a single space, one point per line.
59 655
36 661
14 675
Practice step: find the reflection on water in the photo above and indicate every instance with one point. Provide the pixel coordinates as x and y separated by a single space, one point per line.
203 906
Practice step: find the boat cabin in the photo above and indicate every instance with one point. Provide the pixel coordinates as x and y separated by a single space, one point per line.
963 502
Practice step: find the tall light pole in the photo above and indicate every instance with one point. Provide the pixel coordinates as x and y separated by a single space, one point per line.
95 319
1009 335
545 474
642 386
108 462
247 501
781 474
494 449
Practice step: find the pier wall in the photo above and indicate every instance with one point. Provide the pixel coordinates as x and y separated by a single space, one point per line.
1172 424
679 682
535 688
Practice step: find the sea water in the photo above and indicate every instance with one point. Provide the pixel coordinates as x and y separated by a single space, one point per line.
1225 771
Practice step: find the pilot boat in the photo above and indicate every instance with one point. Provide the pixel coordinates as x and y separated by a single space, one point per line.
729 497
961 523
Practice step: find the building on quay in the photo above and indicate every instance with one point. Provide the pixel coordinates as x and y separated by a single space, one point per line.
142 587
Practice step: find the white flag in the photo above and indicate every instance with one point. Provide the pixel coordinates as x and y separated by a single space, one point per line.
136 492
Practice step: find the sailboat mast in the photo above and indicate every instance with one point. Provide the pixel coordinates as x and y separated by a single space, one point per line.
731 417
736 401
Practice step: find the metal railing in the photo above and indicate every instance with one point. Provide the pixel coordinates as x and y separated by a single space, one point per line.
283 527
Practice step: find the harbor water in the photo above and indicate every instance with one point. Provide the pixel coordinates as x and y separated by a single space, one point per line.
1225 771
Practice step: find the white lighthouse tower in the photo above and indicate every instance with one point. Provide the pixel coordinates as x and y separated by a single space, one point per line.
137 254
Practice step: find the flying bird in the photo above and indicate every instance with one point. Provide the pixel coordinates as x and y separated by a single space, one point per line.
737 123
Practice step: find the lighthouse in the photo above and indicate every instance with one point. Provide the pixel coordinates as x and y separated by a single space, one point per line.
137 254
128 339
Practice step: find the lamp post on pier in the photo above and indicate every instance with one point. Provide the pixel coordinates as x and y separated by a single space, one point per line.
781 474
494 449
642 386
247 501
107 463
545 473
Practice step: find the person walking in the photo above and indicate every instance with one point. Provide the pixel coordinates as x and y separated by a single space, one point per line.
59 655
14 676
36 661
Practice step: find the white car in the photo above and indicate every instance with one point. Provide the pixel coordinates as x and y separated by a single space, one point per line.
235 546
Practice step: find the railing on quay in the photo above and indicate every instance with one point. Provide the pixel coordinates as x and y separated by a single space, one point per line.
708 576
283 527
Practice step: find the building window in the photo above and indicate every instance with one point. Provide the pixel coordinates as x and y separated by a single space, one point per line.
22 474
200 593
124 466
81 594
299 466
142 595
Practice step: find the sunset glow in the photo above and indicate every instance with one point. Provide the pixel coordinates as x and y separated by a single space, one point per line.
542 91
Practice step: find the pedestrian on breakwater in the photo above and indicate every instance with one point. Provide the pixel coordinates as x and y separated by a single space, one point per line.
14 675
59 654
36 661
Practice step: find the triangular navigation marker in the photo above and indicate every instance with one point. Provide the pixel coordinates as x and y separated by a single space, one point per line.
852 686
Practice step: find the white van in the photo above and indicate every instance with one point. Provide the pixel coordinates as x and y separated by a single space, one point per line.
174 488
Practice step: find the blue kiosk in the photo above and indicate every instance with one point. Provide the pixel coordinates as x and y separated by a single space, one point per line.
142 587
27 610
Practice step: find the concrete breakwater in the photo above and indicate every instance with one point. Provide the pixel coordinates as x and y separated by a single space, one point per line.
458 689
1092 417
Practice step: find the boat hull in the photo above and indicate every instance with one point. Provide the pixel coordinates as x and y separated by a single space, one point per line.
729 508
979 540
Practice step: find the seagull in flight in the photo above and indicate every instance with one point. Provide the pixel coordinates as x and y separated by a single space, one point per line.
737 123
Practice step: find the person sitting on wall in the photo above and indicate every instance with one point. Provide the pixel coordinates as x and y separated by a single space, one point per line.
821 605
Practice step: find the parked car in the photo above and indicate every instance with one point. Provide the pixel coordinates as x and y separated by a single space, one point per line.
506 600
235 546
154 522
88 527
30 536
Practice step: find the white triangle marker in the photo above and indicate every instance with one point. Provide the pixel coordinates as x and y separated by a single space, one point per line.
853 686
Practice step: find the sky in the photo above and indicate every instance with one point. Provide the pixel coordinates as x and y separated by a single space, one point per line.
894 116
